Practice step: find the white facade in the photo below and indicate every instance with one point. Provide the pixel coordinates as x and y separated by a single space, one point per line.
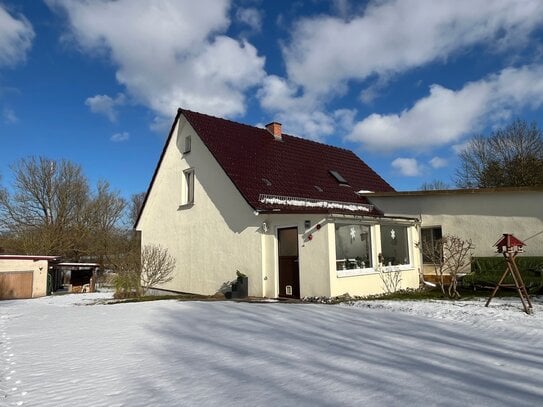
209 239
219 233
480 215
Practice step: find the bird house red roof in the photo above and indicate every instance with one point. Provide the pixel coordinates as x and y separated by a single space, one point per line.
508 241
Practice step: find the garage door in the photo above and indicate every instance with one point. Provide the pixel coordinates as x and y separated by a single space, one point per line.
16 284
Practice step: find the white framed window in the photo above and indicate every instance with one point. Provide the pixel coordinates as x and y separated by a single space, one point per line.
353 247
187 145
394 245
187 197
430 242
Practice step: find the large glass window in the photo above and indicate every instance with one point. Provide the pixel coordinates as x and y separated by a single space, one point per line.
353 247
394 245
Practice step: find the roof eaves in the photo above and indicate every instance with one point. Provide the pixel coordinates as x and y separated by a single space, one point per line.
466 191
179 111
26 257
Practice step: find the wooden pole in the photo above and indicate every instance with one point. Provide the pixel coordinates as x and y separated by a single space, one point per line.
519 283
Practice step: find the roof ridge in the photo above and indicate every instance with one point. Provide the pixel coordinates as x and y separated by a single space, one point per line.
319 143
264 129
222 119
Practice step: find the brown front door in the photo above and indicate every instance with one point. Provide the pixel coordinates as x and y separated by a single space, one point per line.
289 275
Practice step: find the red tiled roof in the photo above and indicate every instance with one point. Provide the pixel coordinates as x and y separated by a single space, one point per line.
258 164
509 240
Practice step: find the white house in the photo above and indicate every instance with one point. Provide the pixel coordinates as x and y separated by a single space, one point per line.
287 212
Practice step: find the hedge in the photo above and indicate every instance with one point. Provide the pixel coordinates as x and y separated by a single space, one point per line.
487 271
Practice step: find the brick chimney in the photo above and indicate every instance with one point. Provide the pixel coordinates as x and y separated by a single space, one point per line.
275 129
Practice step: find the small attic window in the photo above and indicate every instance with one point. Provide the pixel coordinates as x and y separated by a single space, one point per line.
339 178
187 145
318 188
266 181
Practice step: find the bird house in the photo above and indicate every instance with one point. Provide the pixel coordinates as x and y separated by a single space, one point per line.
509 244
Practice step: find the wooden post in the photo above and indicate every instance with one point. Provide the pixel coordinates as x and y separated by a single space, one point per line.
92 285
517 278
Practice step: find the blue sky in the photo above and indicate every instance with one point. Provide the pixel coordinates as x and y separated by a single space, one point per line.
402 83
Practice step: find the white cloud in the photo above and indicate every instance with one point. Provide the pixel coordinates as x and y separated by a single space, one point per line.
9 116
16 35
169 53
106 105
161 124
408 167
458 148
372 44
393 36
344 8
301 115
445 115
118 137
250 16
438 162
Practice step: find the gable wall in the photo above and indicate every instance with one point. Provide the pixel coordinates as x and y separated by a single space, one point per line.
210 239
481 217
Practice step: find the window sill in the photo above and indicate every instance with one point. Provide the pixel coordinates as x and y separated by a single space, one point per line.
370 271
355 272
185 206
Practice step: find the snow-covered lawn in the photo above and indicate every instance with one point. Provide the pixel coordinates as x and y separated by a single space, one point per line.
54 352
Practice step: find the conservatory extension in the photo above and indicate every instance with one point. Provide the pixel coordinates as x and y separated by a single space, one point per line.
354 254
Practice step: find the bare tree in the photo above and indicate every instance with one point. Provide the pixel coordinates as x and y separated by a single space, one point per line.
157 267
53 211
450 256
434 185
137 271
512 156
136 204
47 207
391 279
104 213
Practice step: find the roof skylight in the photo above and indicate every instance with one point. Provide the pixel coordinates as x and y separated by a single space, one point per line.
339 178
266 181
318 188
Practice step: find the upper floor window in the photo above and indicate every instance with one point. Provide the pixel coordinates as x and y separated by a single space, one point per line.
187 145
188 187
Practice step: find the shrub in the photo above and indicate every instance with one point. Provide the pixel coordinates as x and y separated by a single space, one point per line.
487 271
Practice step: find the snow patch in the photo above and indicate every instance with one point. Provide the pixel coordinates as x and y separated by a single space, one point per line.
313 203
371 353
